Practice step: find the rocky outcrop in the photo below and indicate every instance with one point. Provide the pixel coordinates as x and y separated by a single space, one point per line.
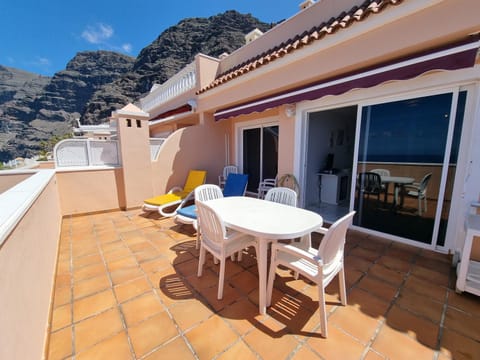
34 108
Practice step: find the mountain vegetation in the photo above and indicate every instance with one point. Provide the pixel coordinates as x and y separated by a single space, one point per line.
34 109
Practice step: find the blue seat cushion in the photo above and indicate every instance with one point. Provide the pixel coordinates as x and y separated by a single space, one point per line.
188 211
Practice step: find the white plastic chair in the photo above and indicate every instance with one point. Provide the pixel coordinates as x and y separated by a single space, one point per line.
204 193
219 242
282 195
419 190
264 186
226 170
318 265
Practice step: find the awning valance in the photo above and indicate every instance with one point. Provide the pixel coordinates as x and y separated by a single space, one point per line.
451 58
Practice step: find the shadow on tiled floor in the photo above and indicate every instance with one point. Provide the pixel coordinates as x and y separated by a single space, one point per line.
126 288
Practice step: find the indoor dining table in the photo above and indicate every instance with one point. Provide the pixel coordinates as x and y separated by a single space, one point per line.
267 221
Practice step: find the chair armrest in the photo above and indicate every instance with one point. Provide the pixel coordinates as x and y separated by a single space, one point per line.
296 251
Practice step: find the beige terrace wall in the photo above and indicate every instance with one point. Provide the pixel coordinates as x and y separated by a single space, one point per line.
200 147
27 263
9 180
90 191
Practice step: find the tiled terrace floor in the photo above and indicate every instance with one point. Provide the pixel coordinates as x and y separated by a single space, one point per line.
126 288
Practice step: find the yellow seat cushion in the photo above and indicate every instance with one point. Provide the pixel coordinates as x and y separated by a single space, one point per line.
164 199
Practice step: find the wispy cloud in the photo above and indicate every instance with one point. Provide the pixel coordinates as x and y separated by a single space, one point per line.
98 33
127 48
102 34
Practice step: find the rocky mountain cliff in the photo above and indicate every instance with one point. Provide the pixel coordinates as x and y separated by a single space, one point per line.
34 108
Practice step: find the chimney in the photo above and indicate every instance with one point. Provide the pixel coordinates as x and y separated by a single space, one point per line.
252 35
306 4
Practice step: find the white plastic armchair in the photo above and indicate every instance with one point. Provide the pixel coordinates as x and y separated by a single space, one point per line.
265 185
282 195
419 190
229 169
318 265
218 241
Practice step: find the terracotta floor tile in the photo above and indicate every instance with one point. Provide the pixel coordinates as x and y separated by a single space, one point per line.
62 316
354 322
395 263
131 289
305 353
421 329
115 347
62 296
364 254
157 264
176 349
89 271
190 313
242 315
87 260
215 328
124 275
367 303
463 323
466 302
93 304
244 281
373 355
271 340
63 280
207 280
432 276
123 263
230 295
378 288
90 286
151 333
239 350
97 328
60 344
453 345
338 345
141 308
420 305
391 276
357 263
395 344
426 287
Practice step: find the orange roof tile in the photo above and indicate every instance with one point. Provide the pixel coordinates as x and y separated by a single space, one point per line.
343 21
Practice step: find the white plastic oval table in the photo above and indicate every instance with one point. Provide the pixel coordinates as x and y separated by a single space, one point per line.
267 221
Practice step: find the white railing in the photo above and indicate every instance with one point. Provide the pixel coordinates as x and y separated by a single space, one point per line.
178 84
155 145
86 152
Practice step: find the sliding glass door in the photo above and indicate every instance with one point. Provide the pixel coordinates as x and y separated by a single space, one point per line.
260 154
412 145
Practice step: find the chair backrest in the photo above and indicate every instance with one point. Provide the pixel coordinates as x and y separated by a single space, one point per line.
207 192
213 227
369 182
424 183
194 179
381 172
229 169
332 244
235 185
282 195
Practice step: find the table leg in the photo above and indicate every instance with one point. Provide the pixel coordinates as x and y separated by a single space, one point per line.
262 275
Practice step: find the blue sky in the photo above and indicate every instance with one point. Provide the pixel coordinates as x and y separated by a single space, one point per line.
41 36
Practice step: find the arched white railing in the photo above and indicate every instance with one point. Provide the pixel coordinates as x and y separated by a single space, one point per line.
155 145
